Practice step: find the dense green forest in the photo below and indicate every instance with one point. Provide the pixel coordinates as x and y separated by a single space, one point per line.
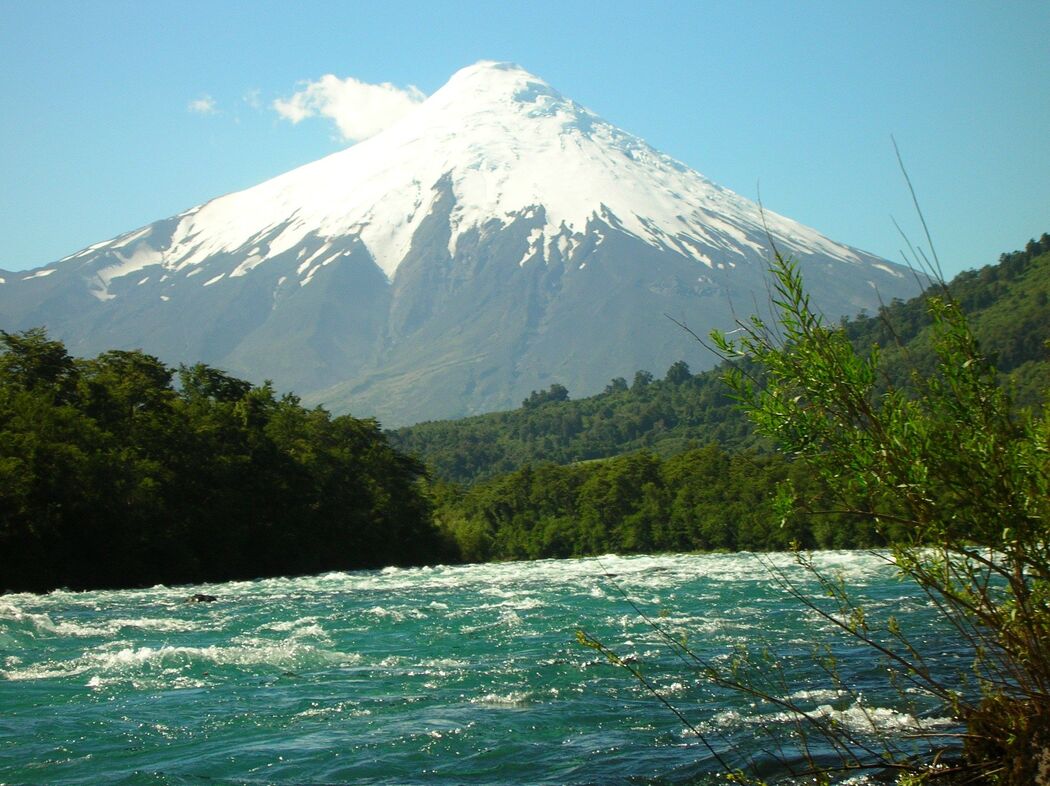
112 475
705 499
1007 305
666 416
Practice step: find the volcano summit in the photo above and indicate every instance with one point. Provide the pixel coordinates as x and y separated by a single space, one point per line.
496 239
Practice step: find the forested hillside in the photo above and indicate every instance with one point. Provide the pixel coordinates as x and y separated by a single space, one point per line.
666 416
1008 308
706 499
1007 305
720 496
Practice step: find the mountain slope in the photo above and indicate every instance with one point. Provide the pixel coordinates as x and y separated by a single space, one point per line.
1008 307
497 238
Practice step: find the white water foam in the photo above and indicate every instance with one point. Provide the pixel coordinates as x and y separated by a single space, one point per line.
118 661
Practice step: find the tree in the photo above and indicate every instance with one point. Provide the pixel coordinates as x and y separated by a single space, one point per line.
555 393
678 373
960 485
201 381
32 362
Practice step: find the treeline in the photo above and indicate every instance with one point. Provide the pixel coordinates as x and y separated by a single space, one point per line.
703 499
665 416
1008 308
120 471
114 475
1008 305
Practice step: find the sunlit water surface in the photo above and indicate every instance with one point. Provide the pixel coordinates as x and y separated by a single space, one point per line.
444 675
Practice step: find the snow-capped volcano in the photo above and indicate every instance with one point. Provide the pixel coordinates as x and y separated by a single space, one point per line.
506 142
362 279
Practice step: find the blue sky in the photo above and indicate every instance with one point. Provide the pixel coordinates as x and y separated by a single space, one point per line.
117 114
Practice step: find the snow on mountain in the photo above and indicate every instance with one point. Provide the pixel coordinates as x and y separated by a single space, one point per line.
509 142
497 237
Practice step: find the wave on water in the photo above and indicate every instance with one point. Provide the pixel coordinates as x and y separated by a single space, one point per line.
41 625
278 675
117 662
858 717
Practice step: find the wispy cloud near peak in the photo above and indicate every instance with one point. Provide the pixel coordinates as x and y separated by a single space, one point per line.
358 109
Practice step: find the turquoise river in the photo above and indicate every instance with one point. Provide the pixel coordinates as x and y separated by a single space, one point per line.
445 675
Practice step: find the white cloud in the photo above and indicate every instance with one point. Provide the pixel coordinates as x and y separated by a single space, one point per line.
205 105
253 98
359 109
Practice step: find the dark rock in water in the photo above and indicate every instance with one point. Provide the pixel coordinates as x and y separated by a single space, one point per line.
201 598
